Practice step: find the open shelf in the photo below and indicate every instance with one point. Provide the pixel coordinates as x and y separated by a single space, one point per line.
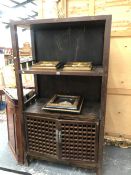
90 111
96 71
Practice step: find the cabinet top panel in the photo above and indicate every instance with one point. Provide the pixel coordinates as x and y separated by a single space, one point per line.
49 22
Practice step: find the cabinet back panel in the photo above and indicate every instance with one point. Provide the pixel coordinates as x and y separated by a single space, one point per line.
88 87
81 43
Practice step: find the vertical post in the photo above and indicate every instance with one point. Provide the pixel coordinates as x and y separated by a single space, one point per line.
91 7
62 8
104 91
41 8
67 8
32 32
19 117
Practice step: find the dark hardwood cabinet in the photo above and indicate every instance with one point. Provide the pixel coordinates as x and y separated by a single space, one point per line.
11 123
72 140
14 129
14 123
75 139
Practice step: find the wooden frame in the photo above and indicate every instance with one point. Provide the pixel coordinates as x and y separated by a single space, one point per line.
97 79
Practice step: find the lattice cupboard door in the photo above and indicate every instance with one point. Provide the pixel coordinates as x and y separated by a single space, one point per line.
41 136
72 140
78 140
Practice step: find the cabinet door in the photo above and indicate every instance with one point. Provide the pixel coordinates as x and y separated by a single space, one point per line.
78 140
41 136
11 124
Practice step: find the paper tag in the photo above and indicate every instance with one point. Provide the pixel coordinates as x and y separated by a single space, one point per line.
57 73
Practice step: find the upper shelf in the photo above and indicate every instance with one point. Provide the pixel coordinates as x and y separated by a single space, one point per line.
96 71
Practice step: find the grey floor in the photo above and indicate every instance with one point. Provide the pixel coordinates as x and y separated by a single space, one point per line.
117 161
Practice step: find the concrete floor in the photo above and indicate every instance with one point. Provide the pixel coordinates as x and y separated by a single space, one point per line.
117 161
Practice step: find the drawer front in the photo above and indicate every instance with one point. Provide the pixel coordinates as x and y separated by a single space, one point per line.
41 136
79 141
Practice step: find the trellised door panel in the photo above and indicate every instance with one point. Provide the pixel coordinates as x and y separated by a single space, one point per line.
78 140
72 140
41 136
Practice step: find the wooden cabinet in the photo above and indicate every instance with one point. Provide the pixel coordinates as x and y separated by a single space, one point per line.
63 140
11 124
69 138
15 137
62 137
14 129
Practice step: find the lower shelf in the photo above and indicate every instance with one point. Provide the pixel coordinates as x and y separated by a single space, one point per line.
90 111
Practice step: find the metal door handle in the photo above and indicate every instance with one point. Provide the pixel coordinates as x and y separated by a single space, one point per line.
58 136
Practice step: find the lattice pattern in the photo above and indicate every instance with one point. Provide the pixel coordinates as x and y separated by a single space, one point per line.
78 141
41 136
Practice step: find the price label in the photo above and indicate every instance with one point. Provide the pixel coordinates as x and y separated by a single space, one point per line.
57 73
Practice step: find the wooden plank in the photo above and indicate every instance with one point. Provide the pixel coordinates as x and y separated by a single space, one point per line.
117 136
121 33
111 3
118 115
78 8
121 15
119 9
120 63
118 91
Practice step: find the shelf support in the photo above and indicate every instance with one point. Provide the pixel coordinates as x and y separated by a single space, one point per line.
19 120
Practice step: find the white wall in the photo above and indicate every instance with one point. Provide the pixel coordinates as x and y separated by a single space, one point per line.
5 37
